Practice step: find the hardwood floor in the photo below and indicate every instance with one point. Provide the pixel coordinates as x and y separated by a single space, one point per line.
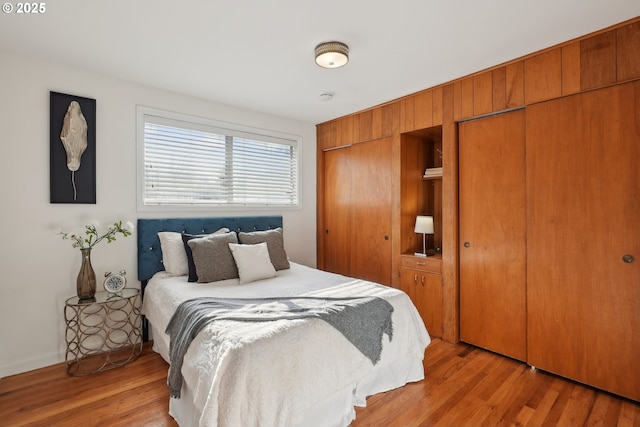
467 386
133 395
464 386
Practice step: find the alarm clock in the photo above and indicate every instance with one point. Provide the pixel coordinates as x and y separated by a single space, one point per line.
115 282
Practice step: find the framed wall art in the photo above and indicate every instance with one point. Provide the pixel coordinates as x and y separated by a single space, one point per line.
72 146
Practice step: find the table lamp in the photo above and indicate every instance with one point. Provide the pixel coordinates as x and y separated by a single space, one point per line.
424 225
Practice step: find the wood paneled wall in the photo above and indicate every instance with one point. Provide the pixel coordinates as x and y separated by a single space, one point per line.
359 127
596 61
600 59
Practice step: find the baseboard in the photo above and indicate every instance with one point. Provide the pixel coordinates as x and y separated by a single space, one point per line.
30 365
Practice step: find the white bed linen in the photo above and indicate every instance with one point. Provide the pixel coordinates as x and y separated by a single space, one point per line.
282 373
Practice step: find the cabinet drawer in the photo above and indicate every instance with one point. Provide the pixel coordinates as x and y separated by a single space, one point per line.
432 264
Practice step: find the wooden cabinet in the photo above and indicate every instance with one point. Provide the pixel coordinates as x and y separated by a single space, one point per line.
336 211
421 279
549 241
564 286
357 210
370 210
493 234
583 197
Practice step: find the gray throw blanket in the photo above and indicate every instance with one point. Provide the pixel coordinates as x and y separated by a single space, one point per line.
362 320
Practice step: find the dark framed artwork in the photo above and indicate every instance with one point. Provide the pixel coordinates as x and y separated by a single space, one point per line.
72 145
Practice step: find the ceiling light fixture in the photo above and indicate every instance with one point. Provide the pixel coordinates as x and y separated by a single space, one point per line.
332 54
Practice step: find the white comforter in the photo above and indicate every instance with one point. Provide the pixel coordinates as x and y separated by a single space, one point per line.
282 373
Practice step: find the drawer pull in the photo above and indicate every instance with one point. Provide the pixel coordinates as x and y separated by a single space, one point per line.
628 259
420 263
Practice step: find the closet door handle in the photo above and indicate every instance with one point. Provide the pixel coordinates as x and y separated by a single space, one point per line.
628 258
422 280
415 279
467 244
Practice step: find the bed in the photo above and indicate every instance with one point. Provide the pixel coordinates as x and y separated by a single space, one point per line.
280 372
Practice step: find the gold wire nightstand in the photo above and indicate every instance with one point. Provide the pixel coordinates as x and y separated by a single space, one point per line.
103 332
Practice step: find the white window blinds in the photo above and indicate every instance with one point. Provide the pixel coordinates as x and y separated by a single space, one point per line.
193 163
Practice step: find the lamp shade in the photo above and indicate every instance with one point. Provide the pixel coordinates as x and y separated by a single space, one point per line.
424 224
332 54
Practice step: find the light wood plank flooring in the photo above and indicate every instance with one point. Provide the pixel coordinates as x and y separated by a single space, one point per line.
464 386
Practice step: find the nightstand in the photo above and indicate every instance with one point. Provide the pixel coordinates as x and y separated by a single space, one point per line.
103 332
421 279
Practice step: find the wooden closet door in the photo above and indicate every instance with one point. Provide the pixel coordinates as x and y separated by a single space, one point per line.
493 234
337 200
371 210
583 184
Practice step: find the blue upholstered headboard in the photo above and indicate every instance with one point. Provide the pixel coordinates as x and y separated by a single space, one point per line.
150 253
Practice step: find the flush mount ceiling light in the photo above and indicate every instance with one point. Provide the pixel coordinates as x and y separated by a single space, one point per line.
332 54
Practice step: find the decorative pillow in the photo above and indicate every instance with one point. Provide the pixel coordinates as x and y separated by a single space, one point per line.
253 262
275 243
191 267
174 257
212 257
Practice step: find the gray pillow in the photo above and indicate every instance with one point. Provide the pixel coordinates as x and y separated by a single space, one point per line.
213 258
275 244
191 267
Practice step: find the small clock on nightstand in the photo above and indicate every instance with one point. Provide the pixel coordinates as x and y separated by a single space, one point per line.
115 283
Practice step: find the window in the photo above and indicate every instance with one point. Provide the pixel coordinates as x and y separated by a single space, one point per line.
189 161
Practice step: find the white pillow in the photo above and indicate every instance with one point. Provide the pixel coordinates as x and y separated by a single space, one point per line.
174 255
253 262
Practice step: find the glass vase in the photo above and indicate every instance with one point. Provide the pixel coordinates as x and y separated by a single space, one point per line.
86 283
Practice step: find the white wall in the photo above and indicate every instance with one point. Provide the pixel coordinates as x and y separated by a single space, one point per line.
37 268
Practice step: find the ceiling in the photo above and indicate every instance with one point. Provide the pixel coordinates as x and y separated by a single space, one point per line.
258 54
